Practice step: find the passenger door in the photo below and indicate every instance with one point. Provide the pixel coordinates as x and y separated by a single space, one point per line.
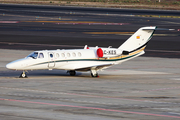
51 62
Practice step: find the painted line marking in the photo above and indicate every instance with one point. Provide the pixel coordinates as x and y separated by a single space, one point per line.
9 21
68 22
160 89
79 13
89 95
39 44
10 43
175 79
86 95
172 22
90 23
174 113
92 108
78 22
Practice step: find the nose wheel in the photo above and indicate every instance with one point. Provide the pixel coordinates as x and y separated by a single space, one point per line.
23 75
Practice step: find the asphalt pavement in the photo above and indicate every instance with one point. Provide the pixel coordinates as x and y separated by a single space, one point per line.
145 88
56 27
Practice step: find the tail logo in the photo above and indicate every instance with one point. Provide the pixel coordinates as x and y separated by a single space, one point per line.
138 37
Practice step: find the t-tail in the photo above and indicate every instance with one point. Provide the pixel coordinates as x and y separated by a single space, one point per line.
136 44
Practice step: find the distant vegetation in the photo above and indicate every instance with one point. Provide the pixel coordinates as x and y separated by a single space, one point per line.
138 4
147 2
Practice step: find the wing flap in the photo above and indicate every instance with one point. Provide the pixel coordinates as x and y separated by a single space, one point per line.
97 67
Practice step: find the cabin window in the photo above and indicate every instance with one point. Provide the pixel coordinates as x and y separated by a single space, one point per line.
73 54
79 54
57 55
33 55
41 55
63 55
68 55
51 55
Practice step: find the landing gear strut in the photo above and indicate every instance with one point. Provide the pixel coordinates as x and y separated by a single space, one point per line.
94 73
23 75
72 72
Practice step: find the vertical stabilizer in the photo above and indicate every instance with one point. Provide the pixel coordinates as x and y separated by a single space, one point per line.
138 40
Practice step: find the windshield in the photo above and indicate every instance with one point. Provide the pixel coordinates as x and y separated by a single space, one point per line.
33 55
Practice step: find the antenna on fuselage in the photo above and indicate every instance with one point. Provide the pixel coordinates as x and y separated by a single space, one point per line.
86 47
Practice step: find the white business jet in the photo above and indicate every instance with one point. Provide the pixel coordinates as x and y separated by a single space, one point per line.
90 59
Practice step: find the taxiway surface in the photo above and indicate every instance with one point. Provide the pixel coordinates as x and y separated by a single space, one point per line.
146 88
55 27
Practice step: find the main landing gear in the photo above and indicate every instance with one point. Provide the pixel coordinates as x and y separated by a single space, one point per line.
23 75
94 73
72 72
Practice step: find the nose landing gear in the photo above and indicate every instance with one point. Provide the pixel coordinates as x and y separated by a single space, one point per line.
23 75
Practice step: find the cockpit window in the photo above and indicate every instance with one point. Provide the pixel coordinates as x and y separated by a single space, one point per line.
41 55
33 55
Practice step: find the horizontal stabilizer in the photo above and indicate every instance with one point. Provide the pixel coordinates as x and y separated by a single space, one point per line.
157 29
164 29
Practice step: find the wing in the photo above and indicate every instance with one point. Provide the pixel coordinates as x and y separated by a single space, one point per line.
97 67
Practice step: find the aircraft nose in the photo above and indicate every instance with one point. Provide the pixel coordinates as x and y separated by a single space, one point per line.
10 66
17 64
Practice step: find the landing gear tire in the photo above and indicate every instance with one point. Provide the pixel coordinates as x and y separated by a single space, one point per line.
72 72
95 75
23 75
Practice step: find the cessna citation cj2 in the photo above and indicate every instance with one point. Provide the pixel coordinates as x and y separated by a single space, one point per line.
90 59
